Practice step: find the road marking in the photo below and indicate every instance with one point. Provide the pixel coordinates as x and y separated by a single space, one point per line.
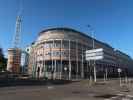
50 87
131 96
120 94
113 97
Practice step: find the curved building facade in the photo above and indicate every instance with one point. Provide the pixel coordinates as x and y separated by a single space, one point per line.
60 53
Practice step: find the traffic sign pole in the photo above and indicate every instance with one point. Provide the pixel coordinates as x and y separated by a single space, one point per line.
120 78
106 73
119 72
95 76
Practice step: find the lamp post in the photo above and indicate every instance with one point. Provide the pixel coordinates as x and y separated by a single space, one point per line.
93 47
119 74
65 69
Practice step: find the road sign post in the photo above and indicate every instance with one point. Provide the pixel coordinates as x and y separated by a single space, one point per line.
94 54
65 69
95 74
119 73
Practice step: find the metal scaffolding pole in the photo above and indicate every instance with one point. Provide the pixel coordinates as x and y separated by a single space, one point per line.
106 73
41 59
39 64
54 62
44 70
87 68
54 69
69 60
82 69
36 62
61 61
77 59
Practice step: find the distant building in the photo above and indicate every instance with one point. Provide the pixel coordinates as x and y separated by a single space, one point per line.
14 60
60 53
25 60
124 60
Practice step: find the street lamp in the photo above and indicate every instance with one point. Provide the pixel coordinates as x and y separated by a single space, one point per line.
65 69
119 72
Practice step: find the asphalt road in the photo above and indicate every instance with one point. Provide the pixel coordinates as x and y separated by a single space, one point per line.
74 91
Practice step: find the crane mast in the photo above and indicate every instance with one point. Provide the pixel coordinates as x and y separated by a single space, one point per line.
16 41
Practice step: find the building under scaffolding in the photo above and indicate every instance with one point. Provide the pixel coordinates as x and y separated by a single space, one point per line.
14 59
60 53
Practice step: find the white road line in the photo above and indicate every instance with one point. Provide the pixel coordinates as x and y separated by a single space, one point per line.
120 94
126 97
113 97
107 99
50 87
131 96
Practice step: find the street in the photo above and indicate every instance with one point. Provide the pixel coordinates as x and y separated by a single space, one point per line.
80 90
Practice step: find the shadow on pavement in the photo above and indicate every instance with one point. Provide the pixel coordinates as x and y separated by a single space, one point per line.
31 82
106 96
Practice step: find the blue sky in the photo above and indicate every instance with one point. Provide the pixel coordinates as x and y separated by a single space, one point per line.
112 20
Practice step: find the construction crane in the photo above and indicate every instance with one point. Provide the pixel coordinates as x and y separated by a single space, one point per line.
17 35
14 53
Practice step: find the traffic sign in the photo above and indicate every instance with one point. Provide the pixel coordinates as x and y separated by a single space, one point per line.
95 54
